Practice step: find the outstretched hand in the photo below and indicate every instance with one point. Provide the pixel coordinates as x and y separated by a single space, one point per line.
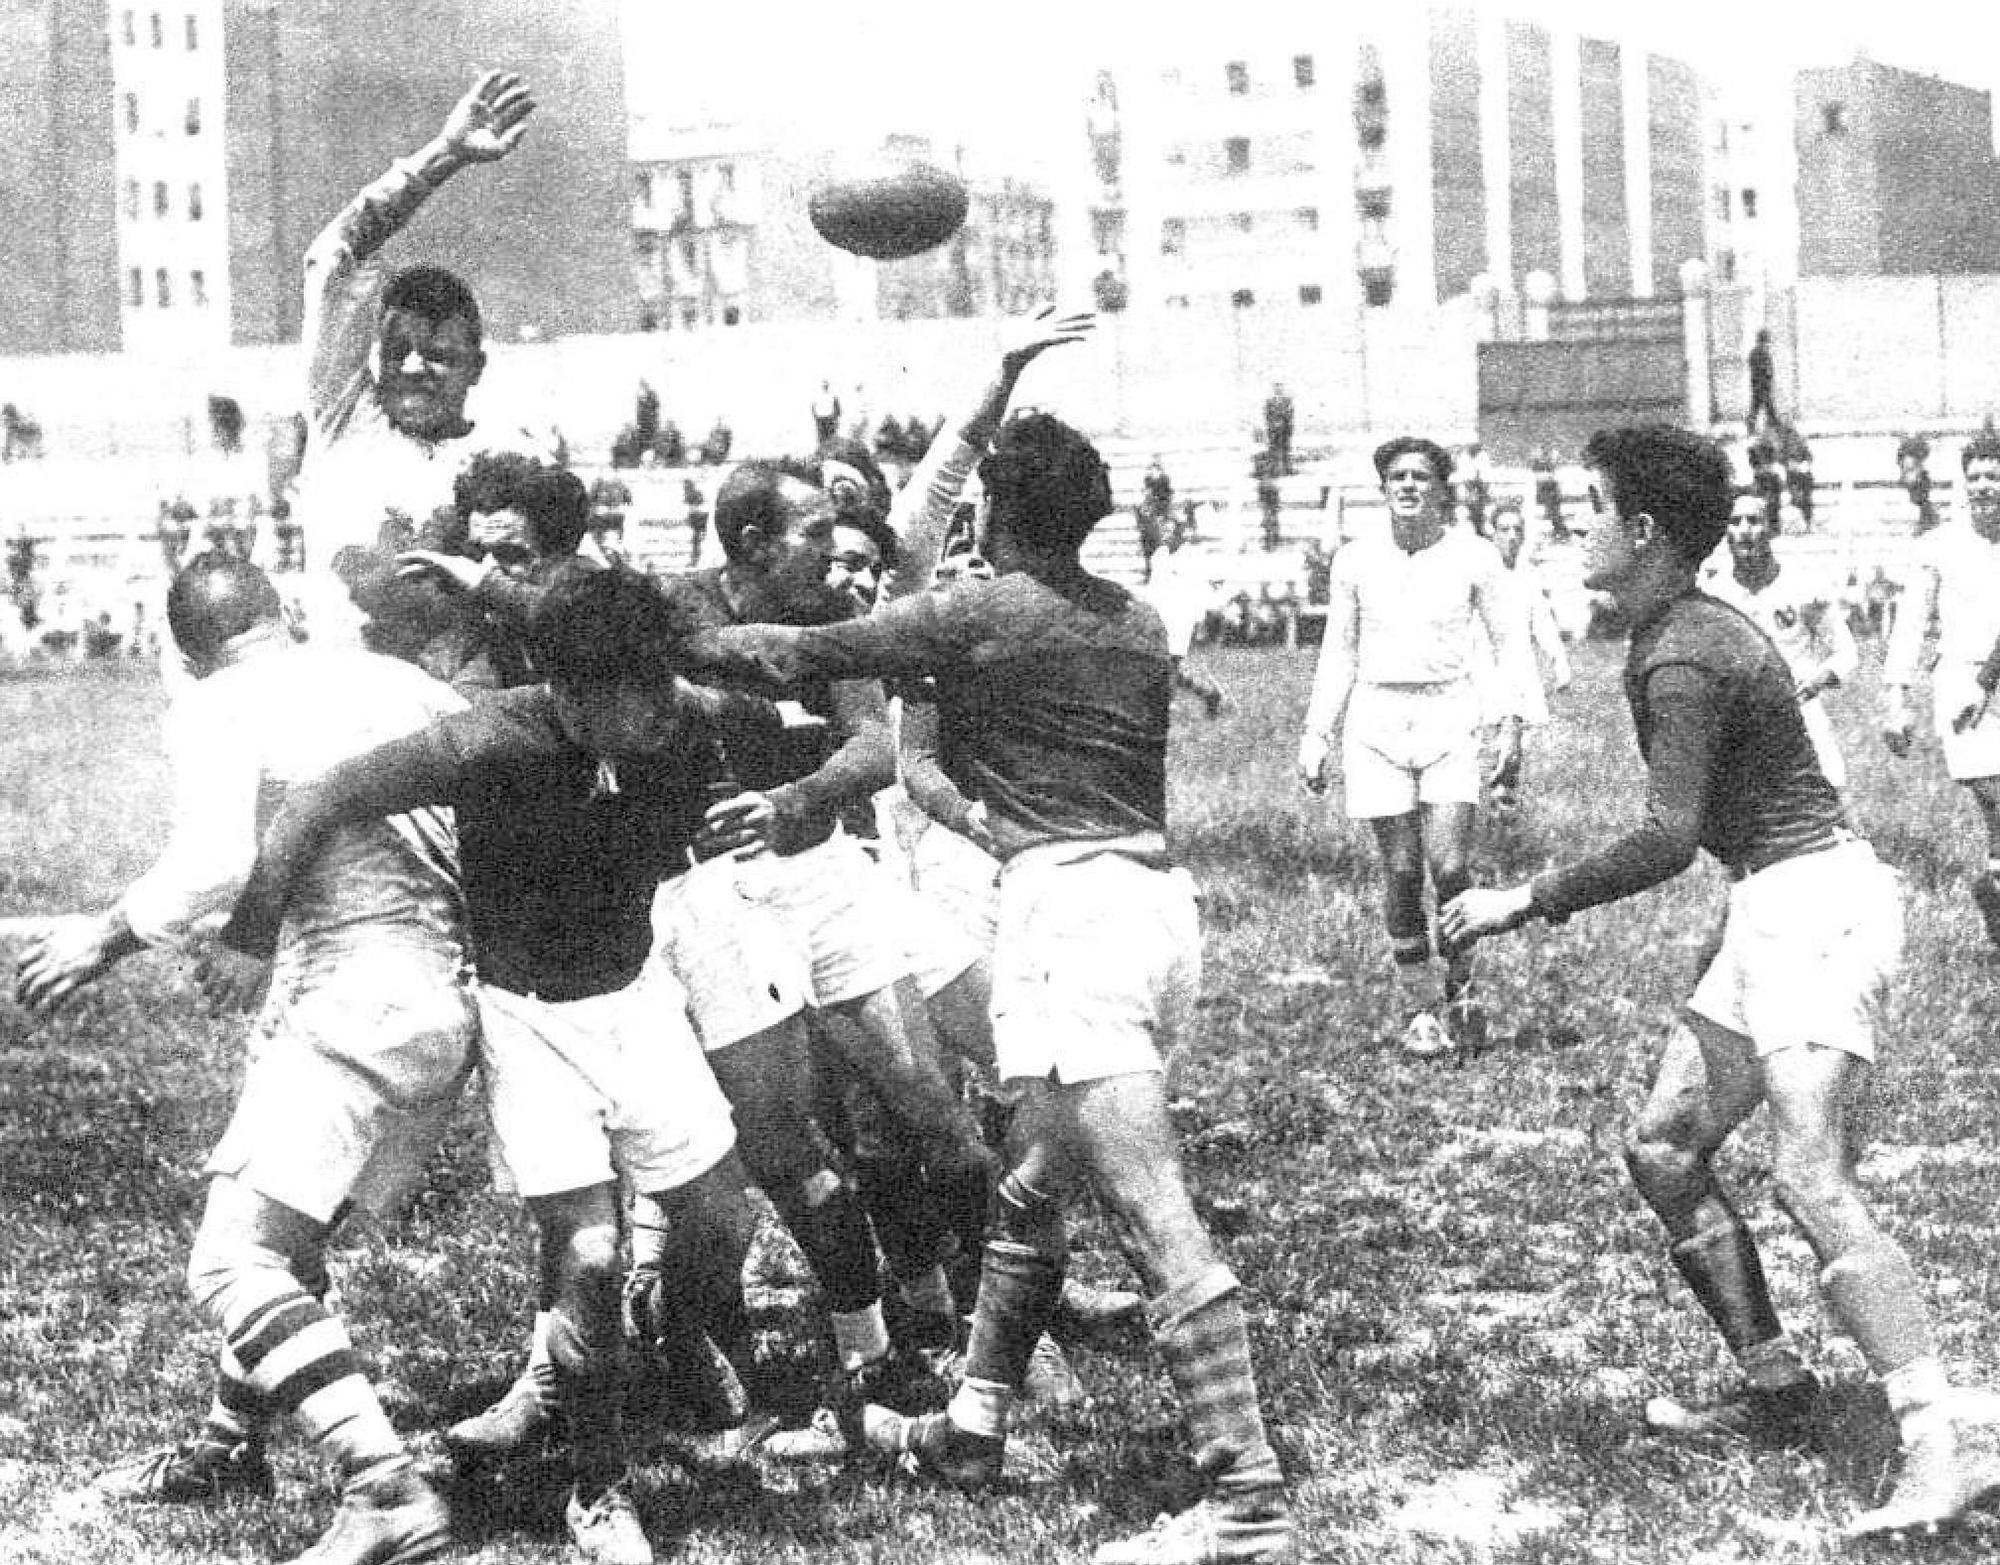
62 956
490 120
1027 336
452 570
1481 911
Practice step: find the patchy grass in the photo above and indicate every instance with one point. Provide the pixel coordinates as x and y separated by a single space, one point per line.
1458 1306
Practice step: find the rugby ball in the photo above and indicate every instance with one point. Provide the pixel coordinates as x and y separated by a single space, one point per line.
889 210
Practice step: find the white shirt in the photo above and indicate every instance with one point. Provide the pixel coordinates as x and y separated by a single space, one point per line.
284 714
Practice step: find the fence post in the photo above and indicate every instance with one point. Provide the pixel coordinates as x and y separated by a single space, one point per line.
1696 347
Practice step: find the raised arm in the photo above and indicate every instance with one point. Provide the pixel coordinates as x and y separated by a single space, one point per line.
922 512
342 287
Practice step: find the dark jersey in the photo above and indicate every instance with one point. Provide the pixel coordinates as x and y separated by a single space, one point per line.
560 857
1729 764
832 753
1053 699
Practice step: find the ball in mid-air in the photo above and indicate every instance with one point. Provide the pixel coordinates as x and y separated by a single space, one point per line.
887 211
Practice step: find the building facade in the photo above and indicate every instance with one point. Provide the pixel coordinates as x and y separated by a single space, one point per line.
168 161
59 241
1325 162
1896 173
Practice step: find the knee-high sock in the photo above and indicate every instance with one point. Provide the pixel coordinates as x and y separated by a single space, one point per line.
1199 1327
586 1346
1020 1281
1721 1268
237 1411
1403 912
294 1356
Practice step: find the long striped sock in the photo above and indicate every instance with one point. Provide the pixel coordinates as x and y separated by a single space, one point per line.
1199 1327
1020 1280
300 1360
238 1411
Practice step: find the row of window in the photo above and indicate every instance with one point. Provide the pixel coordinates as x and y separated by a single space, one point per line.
1246 298
190 121
163 288
1236 75
1174 230
128 27
162 200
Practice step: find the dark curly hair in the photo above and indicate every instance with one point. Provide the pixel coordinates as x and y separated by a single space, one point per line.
553 500
608 627
215 598
1680 479
1046 483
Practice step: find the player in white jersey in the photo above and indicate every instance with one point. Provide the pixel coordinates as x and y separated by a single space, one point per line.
1957 586
1396 680
393 358
355 1065
1809 630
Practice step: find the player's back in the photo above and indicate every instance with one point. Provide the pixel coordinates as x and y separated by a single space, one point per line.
298 713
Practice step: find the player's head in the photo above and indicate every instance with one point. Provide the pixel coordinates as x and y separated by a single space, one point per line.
1656 487
518 509
429 353
1981 460
1750 530
776 527
862 552
1510 532
853 480
1416 482
608 643
214 601
1045 487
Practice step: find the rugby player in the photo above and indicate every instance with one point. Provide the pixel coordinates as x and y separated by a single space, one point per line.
1957 589
1395 678
1785 1014
1809 631
1054 688
574 800
393 358
356 1062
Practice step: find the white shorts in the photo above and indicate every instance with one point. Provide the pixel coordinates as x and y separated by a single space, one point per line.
850 916
1976 752
356 1063
1405 745
1096 967
583 1090
960 879
1807 946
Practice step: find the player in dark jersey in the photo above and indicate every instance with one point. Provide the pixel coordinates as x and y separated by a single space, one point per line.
574 800
1786 1011
1053 694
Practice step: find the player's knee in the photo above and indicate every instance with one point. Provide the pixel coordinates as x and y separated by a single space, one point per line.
1666 1172
590 1260
223 1267
1812 1185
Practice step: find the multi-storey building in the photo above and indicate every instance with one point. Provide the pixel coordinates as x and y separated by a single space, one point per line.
170 160
1404 158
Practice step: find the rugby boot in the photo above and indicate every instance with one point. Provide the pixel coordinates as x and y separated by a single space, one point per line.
607 1530
1254 1527
1085 1310
896 1384
392 1518
1425 1037
1943 1477
519 1424
200 1471
931 1446
1780 1417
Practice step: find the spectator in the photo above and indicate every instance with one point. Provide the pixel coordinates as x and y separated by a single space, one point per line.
646 414
1278 429
889 441
715 446
1266 467
20 435
1767 479
1548 492
1156 512
670 445
1763 383
1796 456
1913 454
1475 487
825 414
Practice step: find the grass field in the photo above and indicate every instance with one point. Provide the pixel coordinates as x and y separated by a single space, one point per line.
1457 1305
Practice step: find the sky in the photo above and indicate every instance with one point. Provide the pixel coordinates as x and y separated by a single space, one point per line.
1012 73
